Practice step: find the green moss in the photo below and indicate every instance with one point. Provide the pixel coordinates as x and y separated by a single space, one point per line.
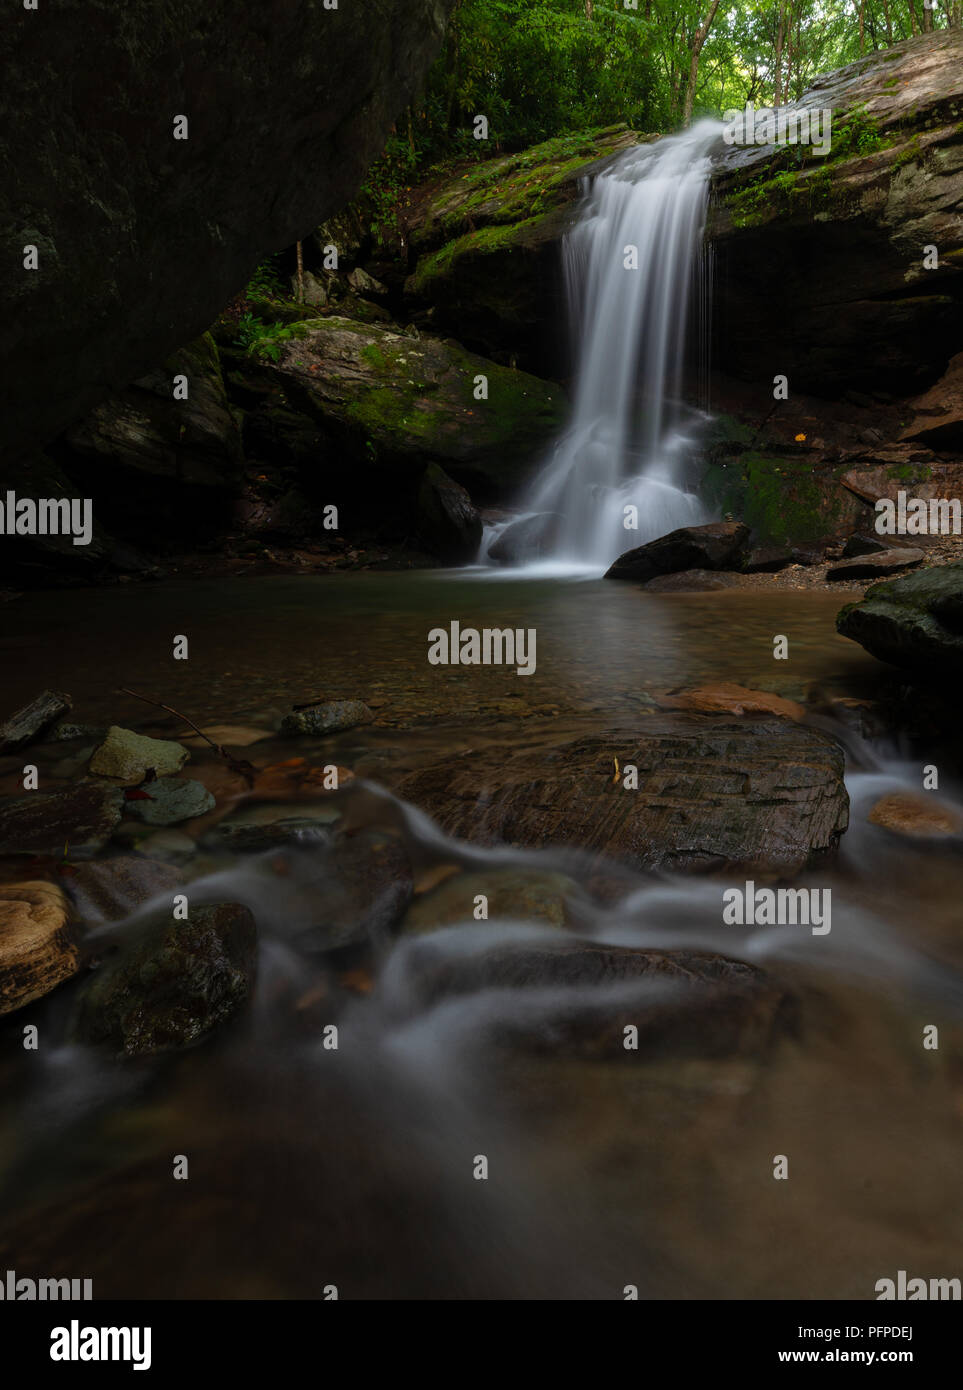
778 497
374 357
484 241
912 154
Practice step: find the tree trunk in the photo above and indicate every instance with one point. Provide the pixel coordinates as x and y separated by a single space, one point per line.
862 7
780 39
927 19
300 255
695 51
889 24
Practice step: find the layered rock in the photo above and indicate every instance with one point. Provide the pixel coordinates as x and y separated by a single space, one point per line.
766 795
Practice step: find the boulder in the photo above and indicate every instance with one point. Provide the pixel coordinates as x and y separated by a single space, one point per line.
719 546
915 622
875 317
129 756
765 795
393 403
327 717
168 801
448 523
172 984
143 238
37 949
683 1003
28 723
75 822
871 566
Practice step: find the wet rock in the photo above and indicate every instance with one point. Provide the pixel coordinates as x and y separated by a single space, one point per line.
80 818
265 827
448 523
726 698
917 816
683 1003
37 948
363 886
527 539
327 718
915 622
872 565
170 801
511 894
67 733
168 845
860 544
765 794
720 545
231 735
173 984
28 723
106 890
128 756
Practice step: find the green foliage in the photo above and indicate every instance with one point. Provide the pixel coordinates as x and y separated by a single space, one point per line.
264 340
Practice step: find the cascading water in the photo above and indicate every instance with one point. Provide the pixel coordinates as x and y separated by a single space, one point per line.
630 441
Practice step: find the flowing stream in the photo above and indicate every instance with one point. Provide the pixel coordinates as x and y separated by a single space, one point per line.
637 282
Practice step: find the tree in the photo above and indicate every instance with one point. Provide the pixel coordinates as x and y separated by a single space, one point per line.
696 44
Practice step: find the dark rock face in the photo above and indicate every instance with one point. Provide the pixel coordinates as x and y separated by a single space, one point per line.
141 238
915 622
173 985
761 794
691 1003
719 546
448 523
848 301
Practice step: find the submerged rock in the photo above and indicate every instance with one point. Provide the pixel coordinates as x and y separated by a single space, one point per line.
719 546
106 890
917 816
37 949
447 521
527 539
526 895
173 984
129 756
915 622
724 697
763 794
28 723
77 821
328 718
682 1003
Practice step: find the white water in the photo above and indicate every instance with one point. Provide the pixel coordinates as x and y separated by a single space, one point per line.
631 439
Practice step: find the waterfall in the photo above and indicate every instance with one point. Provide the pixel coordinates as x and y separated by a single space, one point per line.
631 440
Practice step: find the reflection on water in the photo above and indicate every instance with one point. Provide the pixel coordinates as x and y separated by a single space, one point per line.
355 1167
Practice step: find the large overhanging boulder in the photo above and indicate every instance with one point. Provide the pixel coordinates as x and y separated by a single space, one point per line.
141 238
827 264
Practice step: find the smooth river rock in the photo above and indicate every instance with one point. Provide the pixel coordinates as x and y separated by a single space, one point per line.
762 794
130 756
75 822
719 546
915 622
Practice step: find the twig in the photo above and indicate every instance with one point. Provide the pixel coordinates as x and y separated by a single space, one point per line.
241 766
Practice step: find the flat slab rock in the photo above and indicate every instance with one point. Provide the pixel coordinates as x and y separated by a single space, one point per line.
37 949
81 818
683 1003
765 795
